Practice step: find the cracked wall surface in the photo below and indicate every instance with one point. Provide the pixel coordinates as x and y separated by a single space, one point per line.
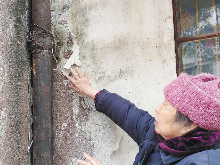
15 100
127 47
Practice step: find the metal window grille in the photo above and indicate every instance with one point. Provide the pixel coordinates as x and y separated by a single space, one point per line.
197 36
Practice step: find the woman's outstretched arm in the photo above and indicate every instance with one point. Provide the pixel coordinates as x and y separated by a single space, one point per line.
135 122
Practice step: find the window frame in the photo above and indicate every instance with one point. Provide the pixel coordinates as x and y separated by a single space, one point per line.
180 40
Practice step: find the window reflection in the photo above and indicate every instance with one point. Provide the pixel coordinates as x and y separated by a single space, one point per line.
197 18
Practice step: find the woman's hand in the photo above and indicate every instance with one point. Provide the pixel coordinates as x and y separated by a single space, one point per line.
81 84
91 161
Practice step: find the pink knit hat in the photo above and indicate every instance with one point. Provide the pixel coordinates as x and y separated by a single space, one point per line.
197 97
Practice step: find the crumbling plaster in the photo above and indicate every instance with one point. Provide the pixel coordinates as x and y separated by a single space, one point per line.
127 47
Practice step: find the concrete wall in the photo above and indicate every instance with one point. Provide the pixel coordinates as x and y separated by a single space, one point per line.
15 100
127 47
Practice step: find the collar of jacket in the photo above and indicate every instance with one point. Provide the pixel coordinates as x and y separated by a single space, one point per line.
147 145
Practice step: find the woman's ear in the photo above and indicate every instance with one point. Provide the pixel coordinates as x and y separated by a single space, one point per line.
185 129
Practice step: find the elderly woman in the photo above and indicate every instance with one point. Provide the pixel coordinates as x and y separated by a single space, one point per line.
185 129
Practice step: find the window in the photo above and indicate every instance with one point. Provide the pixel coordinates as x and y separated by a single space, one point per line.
197 36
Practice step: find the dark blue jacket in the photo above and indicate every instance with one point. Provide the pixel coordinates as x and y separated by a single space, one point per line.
139 125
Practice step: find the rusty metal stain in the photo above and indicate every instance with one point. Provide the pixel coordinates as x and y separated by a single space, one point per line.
41 49
34 70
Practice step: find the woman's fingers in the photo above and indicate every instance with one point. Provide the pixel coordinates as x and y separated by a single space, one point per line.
86 74
74 74
81 84
79 73
71 80
83 162
76 77
97 161
92 161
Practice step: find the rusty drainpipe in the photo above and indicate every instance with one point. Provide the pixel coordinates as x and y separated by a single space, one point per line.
41 51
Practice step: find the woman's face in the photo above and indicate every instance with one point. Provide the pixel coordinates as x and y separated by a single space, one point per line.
166 124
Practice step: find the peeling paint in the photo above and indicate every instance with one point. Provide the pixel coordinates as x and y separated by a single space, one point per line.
74 59
114 41
68 50
118 135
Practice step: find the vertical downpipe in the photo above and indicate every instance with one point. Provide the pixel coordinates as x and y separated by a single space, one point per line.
41 47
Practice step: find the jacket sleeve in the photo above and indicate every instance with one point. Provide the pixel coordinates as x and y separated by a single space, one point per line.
135 122
205 157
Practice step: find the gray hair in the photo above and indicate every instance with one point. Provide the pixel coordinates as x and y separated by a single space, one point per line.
182 119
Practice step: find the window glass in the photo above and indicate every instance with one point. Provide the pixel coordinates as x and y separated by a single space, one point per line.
186 18
218 14
199 56
188 57
197 36
197 17
208 56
